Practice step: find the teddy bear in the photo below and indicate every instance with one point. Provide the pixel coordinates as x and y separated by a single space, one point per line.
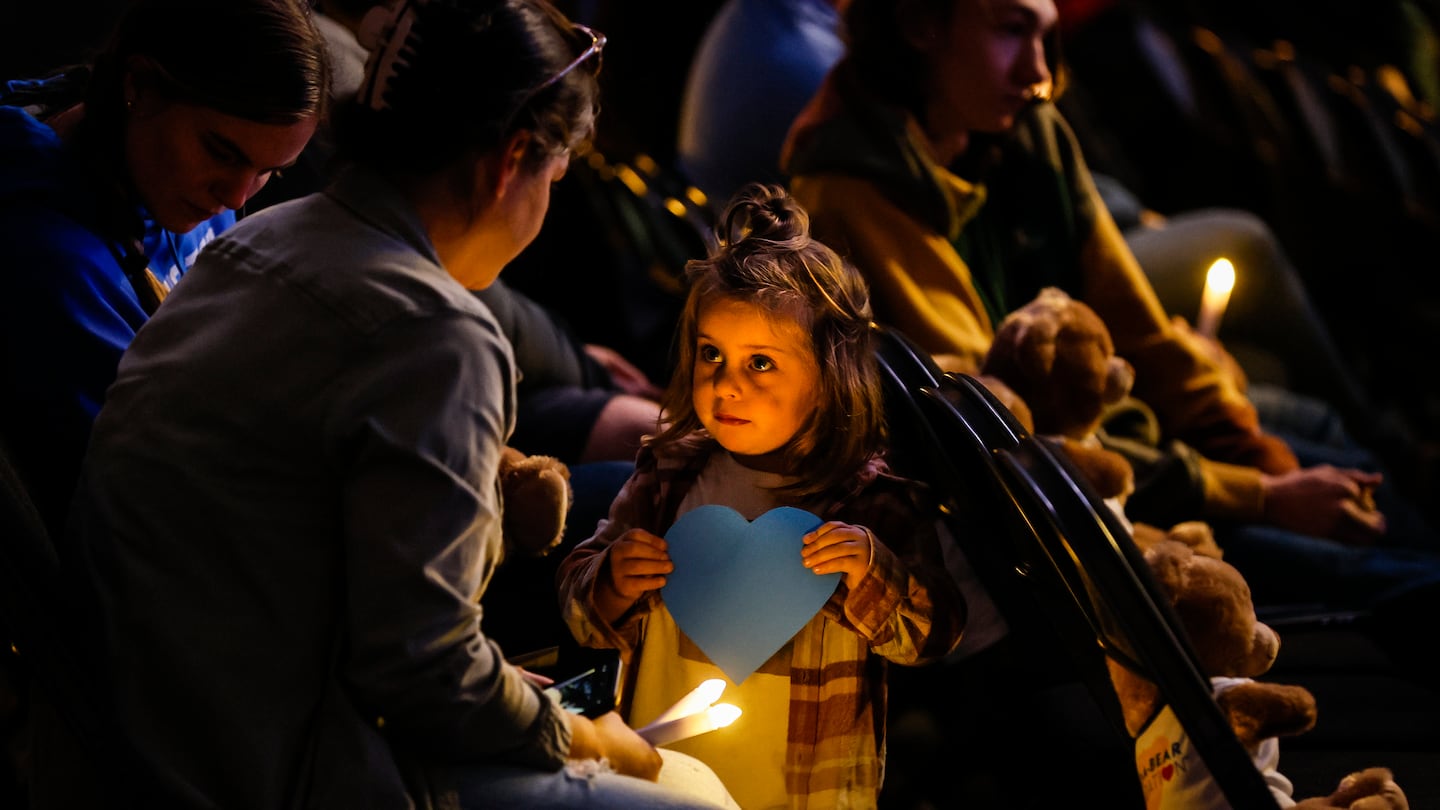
1108 472
536 494
1053 364
1056 354
1212 602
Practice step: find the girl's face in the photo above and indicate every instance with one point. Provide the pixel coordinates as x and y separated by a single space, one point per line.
190 163
755 378
987 62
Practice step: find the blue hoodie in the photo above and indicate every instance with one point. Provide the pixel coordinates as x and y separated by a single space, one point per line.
67 310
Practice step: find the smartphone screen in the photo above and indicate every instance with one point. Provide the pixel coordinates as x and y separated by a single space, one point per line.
592 692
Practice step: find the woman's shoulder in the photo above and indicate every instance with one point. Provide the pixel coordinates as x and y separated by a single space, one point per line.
374 275
36 169
847 211
834 191
51 247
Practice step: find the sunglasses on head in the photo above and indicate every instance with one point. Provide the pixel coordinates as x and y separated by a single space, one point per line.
597 44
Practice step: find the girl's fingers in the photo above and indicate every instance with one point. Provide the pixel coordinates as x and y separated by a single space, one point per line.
814 558
644 568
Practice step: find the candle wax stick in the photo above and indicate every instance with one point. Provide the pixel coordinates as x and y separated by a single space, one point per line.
685 727
696 700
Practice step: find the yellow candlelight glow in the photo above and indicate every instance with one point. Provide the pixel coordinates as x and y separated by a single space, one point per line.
723 714
696 700
682 728
1219 281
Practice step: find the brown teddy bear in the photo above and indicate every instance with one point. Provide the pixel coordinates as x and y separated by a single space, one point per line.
1212 601
1053 364
1056 354
1108 472
536 496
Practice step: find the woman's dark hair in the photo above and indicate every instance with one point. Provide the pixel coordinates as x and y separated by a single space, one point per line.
886 62
261 60
467 76
767 257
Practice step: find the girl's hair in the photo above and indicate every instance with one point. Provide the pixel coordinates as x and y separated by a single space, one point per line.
261 60
889 66
767 257
449 79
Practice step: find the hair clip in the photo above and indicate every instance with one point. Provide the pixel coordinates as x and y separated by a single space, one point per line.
385 32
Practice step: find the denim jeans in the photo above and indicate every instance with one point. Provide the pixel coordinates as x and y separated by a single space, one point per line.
582 784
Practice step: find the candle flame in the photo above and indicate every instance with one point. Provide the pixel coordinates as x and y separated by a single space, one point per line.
710 690
1220 278
695 701
723 714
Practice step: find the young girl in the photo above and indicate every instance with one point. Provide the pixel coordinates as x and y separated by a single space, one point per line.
775 402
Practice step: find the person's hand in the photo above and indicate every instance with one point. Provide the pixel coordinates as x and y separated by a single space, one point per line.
1325 501
536 678
607 736
837 546
639 562
626 375
634 564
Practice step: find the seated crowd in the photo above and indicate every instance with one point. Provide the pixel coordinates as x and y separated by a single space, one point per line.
264 382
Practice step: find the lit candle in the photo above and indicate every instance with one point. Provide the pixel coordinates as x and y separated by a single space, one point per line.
718 716
1219 281
698 698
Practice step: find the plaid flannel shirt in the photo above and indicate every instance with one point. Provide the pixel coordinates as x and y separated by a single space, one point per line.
907 610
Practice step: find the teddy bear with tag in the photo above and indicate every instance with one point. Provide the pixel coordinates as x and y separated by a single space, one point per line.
1234 650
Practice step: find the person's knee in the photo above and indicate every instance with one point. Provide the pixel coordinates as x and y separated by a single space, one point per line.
621 425
1248 241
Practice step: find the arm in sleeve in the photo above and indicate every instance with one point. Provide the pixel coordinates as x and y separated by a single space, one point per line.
633 507
69 313
1173 482
917 281
417 434
907 607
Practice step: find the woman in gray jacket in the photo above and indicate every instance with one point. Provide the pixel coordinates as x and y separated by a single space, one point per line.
289 508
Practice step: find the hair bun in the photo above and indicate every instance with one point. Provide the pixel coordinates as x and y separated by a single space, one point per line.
764 212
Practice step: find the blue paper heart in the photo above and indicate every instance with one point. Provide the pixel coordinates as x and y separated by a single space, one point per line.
739 589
